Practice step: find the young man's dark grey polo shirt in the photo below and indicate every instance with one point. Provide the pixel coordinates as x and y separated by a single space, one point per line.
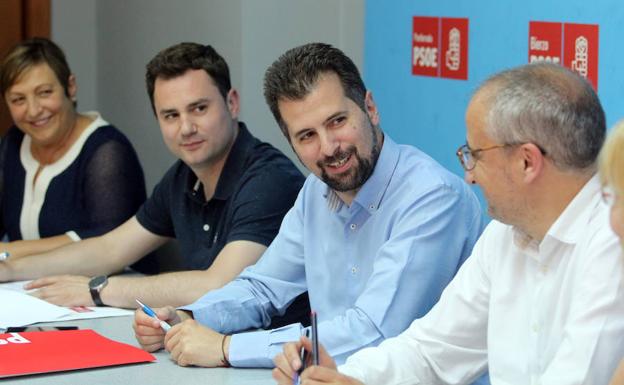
257 186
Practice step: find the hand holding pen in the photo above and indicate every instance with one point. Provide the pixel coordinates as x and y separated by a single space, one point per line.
151 326
303 356
148 310
290 366
304 352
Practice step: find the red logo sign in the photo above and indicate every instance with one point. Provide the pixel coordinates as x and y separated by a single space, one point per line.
580 52
572 45
440 47
454 53
545 41
425 43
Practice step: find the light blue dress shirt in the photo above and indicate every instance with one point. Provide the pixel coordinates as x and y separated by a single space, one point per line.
370 268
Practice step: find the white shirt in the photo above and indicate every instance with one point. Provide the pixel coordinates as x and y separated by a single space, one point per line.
35 191
547 313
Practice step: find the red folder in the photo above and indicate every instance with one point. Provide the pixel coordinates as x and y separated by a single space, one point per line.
53 351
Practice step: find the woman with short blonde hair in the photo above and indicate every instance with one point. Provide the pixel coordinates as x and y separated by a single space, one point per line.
611 165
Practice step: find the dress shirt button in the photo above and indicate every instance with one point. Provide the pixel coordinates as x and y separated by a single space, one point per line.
535 328
543 269
354 270
371 207
353 226
206 227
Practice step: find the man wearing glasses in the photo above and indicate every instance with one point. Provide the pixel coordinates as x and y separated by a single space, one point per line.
540 300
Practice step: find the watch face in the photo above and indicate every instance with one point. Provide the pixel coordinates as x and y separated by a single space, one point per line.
97 281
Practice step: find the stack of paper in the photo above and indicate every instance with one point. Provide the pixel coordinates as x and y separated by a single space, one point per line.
20 309
17 308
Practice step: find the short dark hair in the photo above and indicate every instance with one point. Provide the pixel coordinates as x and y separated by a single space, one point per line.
177 59
29 53
551 106
293 75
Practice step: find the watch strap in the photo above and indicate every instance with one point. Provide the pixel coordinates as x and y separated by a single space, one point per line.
95 295
95 289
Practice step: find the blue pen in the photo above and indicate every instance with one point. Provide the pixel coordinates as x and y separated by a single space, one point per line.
148 310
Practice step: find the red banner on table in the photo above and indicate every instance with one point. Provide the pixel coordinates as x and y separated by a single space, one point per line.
425 43
580 50
454 48
54 351
545 41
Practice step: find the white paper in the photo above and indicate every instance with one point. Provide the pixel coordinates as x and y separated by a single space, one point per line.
95 312
16 286
20 309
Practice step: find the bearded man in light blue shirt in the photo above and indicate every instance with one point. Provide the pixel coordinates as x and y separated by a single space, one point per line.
377 231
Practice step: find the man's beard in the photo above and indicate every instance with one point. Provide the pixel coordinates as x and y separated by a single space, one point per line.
356 176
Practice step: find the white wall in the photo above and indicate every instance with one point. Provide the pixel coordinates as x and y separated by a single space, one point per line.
270 27
74 29
109 42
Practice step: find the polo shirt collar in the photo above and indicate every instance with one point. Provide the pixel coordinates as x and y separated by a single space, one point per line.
232 171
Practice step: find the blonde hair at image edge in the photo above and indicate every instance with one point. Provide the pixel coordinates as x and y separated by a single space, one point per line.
611 160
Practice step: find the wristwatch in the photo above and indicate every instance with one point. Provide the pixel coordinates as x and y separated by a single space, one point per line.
96 284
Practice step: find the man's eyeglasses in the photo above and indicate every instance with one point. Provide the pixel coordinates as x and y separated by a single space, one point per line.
468 156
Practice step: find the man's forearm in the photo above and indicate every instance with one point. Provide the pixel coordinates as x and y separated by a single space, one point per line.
184 287
87 257
173 289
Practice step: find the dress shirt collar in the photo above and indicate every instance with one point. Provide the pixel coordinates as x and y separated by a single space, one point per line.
373 190
572 222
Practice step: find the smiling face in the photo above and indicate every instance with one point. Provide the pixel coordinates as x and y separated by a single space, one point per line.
332 136
39 106
493 171
197 124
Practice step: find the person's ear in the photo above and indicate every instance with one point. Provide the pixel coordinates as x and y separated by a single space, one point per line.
371 108
232 101
533 161
72 88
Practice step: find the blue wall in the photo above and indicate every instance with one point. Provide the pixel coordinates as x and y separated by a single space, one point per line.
429 112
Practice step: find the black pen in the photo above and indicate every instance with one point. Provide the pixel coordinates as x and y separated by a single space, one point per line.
315 347
303 356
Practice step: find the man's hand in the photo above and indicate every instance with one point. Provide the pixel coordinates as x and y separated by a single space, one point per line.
193 344
147 329
62 290
289 362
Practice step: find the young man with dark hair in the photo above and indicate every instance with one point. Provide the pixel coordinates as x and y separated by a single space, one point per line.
223 200
376 233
